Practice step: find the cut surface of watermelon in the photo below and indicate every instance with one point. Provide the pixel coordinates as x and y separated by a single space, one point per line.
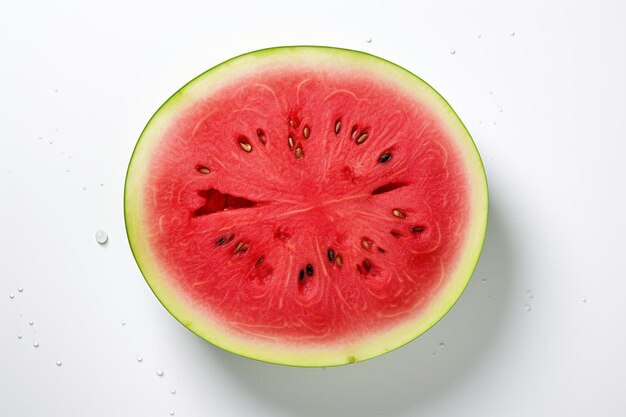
306 206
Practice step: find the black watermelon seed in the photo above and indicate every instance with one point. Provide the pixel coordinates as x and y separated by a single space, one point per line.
331 255
417 229
385 157
301 275
220 241
309 269
367 265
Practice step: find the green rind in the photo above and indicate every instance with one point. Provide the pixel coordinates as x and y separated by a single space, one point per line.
306 358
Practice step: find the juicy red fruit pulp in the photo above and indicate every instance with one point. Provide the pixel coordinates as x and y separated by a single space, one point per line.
307 207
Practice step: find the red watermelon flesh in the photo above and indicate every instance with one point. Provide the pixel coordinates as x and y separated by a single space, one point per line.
305 212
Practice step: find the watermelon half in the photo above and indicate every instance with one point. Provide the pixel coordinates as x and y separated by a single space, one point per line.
307 206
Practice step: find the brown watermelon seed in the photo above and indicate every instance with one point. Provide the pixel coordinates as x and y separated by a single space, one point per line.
339 261
362 138
367 265
290 141
221 241
337 127
366 243
306 132
229 238
331 255
259 261
309 270
396 233
203 170
299 153
301 275
384 157
261 135
245 145
292 124
417 229
381 250
242 247
399 213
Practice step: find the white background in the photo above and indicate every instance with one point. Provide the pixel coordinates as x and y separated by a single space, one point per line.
540 85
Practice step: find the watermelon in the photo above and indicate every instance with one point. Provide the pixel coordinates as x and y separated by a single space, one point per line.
306 206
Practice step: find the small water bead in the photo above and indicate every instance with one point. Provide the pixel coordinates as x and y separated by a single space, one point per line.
51 141
102 237
173 391
139 359
160 372
584 300
123 323
484 280
512 33
452 52
59 363
172 413
11 296
36 344
19 335
529 294
30 323
369 40
527 307
442 345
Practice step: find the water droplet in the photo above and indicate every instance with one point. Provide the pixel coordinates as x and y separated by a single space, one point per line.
67 170
452 52
172 412
512 33
369 40
36 344
11 296
172 391
84 188
490 93
101 184
19 335
20 289
527 307
483 280
584 300
529 294
160 372
30 323
442 345
479 36
123 323
139 359
102 237
51 141
40 137
56 90
59 363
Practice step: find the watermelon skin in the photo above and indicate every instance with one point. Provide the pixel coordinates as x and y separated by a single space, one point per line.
196 292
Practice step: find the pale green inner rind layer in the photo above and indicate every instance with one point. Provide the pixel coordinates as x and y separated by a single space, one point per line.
211 329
